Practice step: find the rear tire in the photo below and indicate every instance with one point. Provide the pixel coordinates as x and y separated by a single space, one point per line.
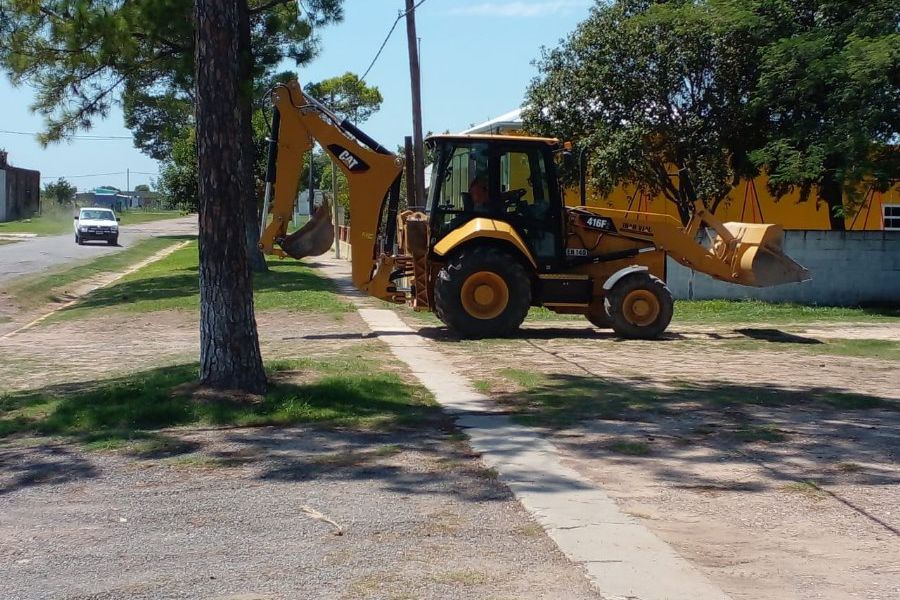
483 291
640 306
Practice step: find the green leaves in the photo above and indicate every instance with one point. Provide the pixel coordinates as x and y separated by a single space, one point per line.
348 96
683 97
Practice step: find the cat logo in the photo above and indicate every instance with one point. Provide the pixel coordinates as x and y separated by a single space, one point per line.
602 223
353 162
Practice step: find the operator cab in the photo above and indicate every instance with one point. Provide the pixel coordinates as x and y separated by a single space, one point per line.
505 178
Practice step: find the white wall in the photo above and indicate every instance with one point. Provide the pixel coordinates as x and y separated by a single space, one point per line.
848 268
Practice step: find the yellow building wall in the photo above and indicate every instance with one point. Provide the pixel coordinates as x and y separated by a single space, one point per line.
751 202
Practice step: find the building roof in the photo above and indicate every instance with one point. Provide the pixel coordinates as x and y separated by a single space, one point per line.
511 121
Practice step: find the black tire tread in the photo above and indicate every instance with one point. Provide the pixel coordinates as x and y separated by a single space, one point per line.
448 305
622 288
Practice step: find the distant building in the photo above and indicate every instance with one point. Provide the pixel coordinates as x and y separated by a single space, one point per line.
108 197
20 191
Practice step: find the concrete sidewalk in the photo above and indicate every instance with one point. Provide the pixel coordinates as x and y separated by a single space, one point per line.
622 558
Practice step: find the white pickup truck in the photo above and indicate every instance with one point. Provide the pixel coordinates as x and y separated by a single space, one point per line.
97 224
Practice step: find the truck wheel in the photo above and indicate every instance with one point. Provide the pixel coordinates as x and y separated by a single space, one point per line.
482 292
598 316
113 241
78 240
639 306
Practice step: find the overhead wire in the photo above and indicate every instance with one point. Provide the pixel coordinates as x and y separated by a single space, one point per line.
72 137
388 36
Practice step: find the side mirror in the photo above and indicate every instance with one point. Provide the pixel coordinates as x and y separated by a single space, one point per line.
75 217
118 219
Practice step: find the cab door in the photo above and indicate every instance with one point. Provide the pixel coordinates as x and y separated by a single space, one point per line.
529 196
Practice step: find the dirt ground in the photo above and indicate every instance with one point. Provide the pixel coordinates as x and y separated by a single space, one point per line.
771 467
246 513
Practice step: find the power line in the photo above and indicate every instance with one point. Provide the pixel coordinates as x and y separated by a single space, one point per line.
98 175
72 137
388 36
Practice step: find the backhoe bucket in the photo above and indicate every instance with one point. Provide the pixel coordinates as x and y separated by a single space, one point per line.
314 238
757 255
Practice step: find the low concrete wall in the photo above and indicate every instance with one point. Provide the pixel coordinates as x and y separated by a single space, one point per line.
849 268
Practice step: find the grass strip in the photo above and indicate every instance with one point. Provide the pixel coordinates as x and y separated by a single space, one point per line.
173 284
343 392
48 287
60 221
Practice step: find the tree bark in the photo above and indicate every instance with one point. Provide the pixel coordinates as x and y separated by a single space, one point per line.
251 211
229 345
832 192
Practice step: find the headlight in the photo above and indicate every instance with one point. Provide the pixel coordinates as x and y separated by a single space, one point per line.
82 228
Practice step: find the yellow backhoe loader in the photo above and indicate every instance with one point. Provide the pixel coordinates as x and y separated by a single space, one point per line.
496 238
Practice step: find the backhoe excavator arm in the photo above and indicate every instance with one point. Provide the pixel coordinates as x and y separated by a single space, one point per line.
743 253
373 178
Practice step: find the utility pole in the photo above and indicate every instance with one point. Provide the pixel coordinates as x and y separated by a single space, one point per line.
415 81
410 173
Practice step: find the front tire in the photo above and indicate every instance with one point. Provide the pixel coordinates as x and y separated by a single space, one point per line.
113 241
640 306
483 291
598 317
78 240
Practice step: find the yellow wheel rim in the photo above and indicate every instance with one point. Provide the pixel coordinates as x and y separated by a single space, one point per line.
484 295
641 308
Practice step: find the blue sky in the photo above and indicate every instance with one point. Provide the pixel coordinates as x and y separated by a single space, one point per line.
476 63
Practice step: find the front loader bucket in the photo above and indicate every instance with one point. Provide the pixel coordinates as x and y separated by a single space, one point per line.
757 255
314 238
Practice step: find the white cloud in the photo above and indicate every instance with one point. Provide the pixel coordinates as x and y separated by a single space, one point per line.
520 8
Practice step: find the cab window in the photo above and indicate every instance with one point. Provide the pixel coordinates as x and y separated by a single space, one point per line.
461 184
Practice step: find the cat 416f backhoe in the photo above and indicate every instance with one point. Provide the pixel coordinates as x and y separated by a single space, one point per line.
496 237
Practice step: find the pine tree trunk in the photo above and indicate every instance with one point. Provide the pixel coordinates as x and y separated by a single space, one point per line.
252 217
229 345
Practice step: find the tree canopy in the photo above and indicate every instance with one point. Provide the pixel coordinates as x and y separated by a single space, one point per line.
685 96
60 190
347 96
84 55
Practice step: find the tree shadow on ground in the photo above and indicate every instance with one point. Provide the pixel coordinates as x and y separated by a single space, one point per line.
820 433
135 413
45 464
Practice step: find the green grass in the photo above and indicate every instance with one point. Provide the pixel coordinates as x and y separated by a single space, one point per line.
757 311
353 391
46 287
862 348
629 448
173 284
713 312
859 348
559 400
60 221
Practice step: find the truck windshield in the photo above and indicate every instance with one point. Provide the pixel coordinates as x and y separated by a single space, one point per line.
97 215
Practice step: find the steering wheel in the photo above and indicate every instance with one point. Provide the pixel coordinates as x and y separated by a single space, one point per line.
511 198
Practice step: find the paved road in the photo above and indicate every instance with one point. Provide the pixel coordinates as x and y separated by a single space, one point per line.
38 254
